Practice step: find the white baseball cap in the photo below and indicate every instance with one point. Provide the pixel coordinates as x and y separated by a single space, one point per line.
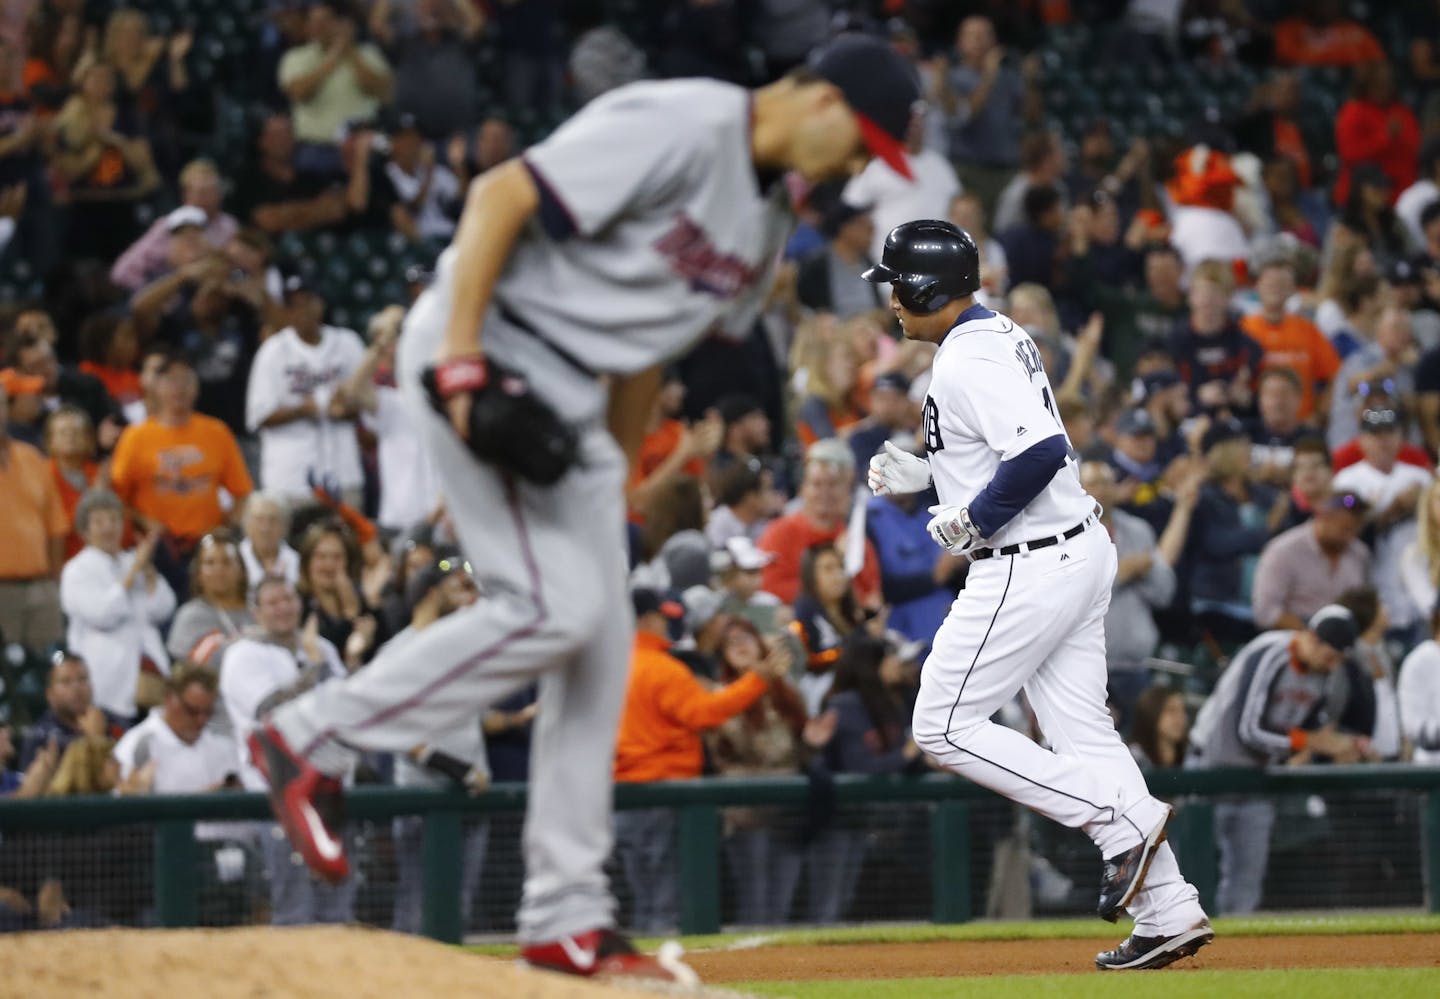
185 215
740 553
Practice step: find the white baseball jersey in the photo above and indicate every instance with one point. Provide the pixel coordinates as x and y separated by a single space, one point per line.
990 401
286 371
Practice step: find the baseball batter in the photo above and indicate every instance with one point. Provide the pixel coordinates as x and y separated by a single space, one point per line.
1032 613
655 215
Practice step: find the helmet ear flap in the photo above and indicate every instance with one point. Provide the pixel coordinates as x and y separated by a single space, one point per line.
917 293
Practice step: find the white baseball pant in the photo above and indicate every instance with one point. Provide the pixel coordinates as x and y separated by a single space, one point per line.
1036 621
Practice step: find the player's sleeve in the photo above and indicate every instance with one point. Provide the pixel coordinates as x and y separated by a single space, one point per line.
263 392
620 151
1005 409
1256 696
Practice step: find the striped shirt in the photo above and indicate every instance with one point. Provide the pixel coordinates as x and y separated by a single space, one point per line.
1263 698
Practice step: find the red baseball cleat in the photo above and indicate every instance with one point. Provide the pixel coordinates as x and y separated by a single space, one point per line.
308 803
606 953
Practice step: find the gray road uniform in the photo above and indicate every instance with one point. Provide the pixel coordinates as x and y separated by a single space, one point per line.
1249 721
653 228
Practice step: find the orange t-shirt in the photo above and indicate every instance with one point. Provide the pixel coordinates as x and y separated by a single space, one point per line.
33 513
787 538
666 709
174 474
1296 343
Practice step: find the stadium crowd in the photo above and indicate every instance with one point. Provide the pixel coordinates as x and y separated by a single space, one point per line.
213 496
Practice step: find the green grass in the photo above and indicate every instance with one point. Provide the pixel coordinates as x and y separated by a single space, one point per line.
1052 929
1347 983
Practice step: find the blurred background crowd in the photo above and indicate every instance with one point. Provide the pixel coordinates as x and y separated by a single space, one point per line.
1219 219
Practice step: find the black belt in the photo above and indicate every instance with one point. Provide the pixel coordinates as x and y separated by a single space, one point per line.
1029 546
510 317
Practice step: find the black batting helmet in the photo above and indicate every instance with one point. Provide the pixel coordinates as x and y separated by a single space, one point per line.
929 263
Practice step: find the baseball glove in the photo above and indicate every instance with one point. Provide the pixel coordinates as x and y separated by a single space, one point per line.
510 427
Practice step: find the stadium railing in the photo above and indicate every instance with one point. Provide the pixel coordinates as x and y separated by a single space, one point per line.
947 801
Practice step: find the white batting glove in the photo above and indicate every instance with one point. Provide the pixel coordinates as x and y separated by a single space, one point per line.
894 472
952 529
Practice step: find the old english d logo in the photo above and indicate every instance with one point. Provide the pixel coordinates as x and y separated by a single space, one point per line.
930 422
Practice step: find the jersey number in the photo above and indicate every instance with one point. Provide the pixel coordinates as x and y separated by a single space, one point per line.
930 423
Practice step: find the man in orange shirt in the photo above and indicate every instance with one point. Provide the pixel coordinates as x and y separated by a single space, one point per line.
170 469
32 540
826 492
666 709
1290 340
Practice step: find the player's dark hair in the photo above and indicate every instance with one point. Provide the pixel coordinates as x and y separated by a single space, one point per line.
1145 732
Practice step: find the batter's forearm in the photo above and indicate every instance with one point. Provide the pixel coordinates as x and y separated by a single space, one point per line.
1016 483
498 204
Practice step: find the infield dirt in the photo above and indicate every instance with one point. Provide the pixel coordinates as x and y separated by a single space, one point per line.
266 963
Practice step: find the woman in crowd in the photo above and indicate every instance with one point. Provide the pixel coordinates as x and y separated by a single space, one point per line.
1162 729
110 350
218 609
826 611
1367 218
264 550
674 552
330 586
765 740
150 75
1348 261
115 602
56 44
106 164
831 371
871 736
1420 562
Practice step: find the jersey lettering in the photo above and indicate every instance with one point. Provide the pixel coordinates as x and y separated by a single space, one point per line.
930 422
1029 357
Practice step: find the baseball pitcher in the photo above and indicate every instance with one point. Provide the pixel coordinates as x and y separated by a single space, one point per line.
654 215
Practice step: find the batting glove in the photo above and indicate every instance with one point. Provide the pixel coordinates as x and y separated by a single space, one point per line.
952 529
894 472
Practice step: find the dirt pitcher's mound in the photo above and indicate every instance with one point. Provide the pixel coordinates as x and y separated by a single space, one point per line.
258 963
